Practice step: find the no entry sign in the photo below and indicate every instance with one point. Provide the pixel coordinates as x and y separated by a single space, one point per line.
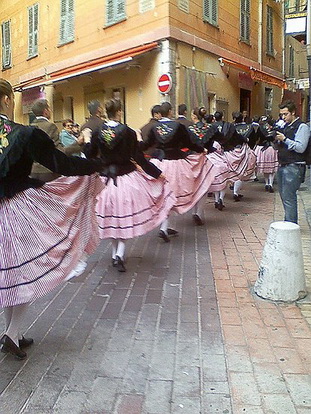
165 83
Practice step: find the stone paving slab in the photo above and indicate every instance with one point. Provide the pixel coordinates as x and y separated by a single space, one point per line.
180 332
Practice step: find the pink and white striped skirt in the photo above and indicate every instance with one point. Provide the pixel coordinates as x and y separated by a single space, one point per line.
44 232
138 204
190 179
267 160
222 177
241 162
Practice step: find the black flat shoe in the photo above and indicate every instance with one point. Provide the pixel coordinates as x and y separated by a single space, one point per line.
271 189
114 262
120 265
9 347
267 187
164 236
220 205
25 342
237 197
172 232
216 204
197 220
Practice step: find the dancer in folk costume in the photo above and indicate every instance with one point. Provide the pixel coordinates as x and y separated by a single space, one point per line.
45 228
240 158
137 198
190 175
266 153
201 133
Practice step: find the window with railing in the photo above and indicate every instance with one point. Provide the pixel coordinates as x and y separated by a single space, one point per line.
295 6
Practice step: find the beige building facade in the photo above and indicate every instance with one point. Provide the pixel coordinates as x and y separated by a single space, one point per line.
222 54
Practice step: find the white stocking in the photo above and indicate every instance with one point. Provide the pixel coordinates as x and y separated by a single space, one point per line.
13 330
199 207
266 178
164 226
217 196
114 245
121 248
237 186
222 194
271 179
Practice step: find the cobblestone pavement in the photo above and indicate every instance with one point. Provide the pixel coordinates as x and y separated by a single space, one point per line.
179 332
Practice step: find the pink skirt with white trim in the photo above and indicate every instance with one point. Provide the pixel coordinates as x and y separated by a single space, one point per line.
222 177
44 232
241 162
138 204
190 179
267 160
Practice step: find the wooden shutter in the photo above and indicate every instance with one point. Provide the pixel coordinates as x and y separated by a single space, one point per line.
269 34
67 21
291 72
210 11
146 5
183 5
33 16
245 20
6 45
115 11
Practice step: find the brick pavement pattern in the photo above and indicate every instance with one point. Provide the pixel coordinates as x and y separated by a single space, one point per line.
179 332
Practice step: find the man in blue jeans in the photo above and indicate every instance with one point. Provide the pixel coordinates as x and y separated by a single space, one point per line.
291 145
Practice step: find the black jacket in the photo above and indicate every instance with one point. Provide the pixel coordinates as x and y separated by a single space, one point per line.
28 144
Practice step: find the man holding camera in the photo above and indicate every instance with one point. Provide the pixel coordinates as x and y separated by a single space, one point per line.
291 144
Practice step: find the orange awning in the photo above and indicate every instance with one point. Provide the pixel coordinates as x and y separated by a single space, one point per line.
256 74
89 66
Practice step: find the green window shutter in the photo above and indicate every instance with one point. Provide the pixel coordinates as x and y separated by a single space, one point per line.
146 5
269 34
115 11
67 21
245 20
6 45
33 16
210 11
291 72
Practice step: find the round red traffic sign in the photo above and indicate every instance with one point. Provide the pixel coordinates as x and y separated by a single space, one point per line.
165 83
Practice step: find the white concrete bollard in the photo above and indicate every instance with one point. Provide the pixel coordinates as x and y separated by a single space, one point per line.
281 274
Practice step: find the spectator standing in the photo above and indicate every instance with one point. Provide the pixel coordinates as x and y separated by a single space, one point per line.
291 145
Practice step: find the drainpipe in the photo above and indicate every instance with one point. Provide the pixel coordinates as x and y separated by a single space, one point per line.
260 33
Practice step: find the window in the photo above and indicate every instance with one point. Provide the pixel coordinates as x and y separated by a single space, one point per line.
115 11
270 48
6 45
245 21
291 72
183 5
210 11
33 30
146 5
66 21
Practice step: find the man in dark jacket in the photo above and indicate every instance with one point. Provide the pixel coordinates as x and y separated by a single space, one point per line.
182 115
43 113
